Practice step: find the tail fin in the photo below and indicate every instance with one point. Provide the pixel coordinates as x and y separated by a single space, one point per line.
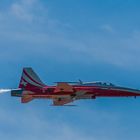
29 79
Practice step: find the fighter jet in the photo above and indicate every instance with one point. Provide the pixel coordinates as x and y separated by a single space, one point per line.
62 93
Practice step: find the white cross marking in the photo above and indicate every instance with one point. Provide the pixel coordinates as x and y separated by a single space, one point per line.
23 83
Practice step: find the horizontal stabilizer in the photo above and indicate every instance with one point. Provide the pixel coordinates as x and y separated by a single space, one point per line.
26 98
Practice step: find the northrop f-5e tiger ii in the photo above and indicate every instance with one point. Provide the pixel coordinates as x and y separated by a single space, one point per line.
31 87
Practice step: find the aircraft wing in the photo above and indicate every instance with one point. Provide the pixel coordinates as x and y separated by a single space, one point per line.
63 87
61 101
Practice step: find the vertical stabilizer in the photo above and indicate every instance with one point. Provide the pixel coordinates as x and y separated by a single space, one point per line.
30 79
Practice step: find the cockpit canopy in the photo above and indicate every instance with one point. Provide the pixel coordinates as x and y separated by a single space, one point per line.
90 83
98 83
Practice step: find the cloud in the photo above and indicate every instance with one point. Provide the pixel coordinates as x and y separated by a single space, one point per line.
107 28
26 25
30 122
20 12
89 121
23 10
29 35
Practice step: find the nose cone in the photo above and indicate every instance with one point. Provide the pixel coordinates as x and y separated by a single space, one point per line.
16 92
131 91
136 91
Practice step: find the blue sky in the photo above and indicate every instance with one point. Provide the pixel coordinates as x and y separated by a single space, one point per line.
67 40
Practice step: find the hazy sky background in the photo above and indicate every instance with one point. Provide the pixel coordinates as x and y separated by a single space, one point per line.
67 40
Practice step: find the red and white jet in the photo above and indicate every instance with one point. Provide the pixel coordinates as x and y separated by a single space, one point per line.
31 87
